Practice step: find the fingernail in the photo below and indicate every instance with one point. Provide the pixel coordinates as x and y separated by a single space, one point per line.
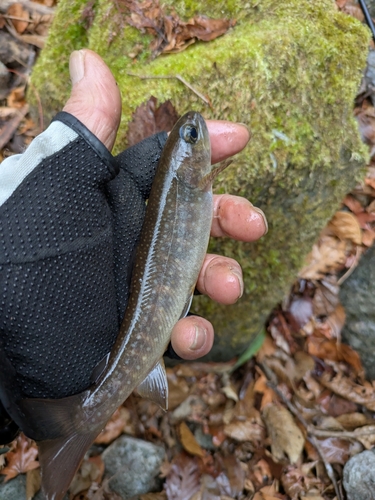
77 66
239 278
260 211
200 338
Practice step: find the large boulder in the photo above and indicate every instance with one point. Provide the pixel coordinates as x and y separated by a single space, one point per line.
290 70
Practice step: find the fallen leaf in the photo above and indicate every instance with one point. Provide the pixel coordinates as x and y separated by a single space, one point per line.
21 459
344 226
19 17
353 204
33 483
114 426
347 389
183 480
149 118
251 429
189 442
336 450
328 255
368 441
171 34
286 437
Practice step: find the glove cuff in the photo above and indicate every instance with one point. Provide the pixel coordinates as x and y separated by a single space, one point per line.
99 148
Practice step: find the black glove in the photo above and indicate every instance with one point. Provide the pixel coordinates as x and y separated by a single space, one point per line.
70 218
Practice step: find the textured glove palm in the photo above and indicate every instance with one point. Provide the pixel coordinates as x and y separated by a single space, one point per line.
70 218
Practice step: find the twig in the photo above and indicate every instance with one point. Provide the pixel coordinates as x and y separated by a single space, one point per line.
346 275
368 18
272 382
12 126
178 77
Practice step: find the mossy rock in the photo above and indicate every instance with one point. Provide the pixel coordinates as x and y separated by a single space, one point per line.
290 70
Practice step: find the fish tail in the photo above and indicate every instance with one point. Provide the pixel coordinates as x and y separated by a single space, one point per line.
59 460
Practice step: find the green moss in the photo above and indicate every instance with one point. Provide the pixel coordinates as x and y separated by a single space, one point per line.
290 70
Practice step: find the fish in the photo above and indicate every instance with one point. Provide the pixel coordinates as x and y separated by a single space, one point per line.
169 256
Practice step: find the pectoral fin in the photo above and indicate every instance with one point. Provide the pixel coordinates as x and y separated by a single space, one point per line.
155 386
207 180
187 306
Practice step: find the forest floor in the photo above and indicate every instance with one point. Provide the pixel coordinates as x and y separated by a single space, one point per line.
280 424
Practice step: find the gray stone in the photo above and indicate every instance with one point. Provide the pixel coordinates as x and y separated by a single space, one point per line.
359 476
132 466
15 489
357 295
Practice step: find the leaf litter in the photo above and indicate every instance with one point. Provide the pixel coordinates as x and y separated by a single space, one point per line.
282 424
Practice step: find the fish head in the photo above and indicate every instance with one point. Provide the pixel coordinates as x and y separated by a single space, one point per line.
190 149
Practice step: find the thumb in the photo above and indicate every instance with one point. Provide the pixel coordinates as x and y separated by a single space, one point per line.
95 98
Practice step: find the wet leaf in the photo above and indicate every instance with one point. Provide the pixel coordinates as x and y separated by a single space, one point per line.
21 459
149 118
286 438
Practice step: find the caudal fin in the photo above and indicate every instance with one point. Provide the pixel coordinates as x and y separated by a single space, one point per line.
59 459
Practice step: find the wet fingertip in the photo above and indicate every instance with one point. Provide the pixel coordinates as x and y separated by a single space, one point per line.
260 212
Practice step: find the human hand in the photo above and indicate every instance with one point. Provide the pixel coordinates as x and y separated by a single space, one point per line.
234 217
60 301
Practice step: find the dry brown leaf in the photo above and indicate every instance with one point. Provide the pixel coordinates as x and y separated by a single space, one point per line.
336 450
367 441
344 226
20 459
19 17
171 34
33 483
326 297
286 437
347 389
351 421
354 11
183 479
114 427
327 256
353 204
252 429
154 496
334 351
368 237
16 98
189 442
91 470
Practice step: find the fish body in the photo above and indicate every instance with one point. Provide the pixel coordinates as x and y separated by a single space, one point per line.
169 256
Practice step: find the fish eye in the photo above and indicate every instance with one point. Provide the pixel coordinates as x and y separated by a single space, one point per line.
189 134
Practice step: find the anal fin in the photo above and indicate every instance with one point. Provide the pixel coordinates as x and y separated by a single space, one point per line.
155 386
